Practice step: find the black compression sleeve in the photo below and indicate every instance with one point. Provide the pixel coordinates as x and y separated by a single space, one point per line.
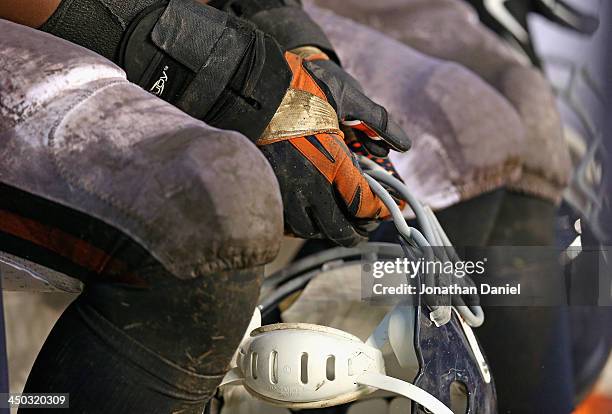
210 64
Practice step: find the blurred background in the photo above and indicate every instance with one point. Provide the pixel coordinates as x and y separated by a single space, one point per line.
575 66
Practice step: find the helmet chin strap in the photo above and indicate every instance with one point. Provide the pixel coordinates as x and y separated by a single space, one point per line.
305 366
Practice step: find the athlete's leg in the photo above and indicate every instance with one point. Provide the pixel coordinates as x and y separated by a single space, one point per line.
163 349
167 221
529 347
139 338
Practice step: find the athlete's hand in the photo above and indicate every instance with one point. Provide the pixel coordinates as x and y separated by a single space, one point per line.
368 120
324 191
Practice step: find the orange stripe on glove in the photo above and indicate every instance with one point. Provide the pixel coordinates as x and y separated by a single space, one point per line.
321 145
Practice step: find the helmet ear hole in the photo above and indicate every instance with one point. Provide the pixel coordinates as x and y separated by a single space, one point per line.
330 368
304 368
459 398
274 367
254 365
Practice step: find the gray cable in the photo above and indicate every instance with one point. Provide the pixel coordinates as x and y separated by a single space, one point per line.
368 164
435 235
440 315
396 214
472 315
386 178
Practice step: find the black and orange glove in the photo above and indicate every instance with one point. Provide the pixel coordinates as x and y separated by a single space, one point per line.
368 131
297 32
325 194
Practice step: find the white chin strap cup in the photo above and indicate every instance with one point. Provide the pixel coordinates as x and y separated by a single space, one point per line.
300 366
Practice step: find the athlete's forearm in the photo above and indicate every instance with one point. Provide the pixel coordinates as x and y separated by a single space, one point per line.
213 66
31 13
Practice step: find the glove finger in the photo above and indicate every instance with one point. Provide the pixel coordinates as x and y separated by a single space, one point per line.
355 192
363 114
323 215
361 144
334 225
285 162
384 162
374 148
345 95
338 165
298 222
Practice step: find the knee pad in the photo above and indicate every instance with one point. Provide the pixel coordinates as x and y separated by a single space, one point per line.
95 159
167 220
545 155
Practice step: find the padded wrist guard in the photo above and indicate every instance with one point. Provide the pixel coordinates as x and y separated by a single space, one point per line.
211 65
285 20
